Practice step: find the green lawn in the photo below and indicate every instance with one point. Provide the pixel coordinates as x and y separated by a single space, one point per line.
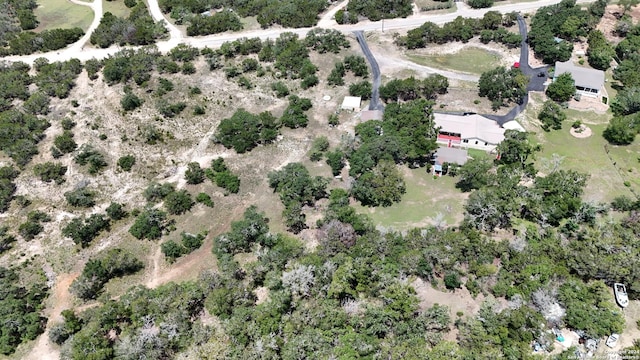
588 155
62 14
470 59
117 8
424 200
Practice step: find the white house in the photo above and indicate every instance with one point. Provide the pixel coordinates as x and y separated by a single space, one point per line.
468 131
351 103
589 82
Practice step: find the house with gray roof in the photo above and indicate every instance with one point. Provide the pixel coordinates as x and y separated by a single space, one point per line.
589 82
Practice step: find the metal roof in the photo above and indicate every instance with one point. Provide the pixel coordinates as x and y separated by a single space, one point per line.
351 102
584 77
471 127
450 155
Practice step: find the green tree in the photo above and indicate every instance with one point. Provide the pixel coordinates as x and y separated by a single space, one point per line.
178 202
382 186
126 162
149 224
474 174
516 149
551 116
622 130
562 89
627 101
130 101
599 53
502 85
194 173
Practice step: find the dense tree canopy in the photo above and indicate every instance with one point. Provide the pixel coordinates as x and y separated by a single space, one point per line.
562 88
502 85
243 131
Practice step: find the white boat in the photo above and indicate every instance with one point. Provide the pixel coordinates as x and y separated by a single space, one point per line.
620 292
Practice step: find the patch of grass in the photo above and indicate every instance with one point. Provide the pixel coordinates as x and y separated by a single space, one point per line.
62 14
470 60
479 154
588 117
606 180
117 8
424 200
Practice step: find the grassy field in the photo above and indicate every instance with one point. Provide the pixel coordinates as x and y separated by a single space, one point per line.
424 200
588 155
117 8
470 59
62 14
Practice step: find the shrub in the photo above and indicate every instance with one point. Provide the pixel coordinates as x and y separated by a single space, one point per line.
149 224
130 102
205 199
178 202
82 231
116 211
280 89
157 192
65 142
49 171
126 162
97 272
88 155
319 146
82 197
194 173
452 281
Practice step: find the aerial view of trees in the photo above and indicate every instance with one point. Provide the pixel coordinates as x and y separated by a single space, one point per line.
288 13
555 27
137 29
502 86
489 28
243 131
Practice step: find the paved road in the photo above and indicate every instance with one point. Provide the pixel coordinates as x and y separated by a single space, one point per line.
215 41
375 103
536 83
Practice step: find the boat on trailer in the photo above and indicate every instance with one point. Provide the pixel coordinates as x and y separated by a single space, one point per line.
620 292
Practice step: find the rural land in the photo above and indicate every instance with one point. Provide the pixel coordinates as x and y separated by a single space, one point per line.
319 179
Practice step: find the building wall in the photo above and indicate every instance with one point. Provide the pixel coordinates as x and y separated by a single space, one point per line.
475 143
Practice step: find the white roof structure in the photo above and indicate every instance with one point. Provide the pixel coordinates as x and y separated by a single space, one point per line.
470 127
351 103
513 125
583 77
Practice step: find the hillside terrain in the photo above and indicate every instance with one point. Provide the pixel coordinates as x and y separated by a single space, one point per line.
170 200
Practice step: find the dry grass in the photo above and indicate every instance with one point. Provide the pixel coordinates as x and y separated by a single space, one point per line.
62 14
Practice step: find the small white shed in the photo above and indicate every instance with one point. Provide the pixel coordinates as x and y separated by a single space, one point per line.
351 103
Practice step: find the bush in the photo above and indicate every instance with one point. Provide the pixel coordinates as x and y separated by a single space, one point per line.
149 224
318 148
551 116
157 192
126 162
335 159
130 102
97 272
32 227
49 171
194 173
280 89
205 199
452 281
116 211
82 231
178 202
65 142
82 197
88 155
